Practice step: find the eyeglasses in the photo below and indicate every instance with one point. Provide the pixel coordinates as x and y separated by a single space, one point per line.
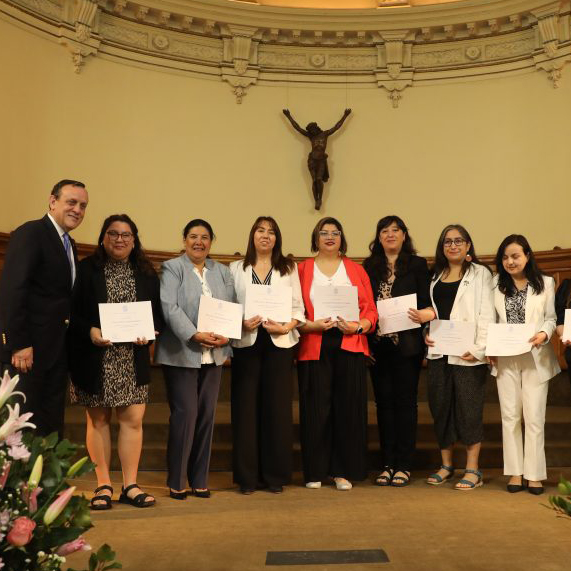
457 242
334 234
114 235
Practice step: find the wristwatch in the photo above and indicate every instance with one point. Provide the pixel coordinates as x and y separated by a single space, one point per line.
359 330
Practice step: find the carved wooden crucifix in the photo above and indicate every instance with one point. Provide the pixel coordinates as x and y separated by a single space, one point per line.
317 158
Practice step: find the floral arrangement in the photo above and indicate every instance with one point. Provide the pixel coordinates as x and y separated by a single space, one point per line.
562 504
41 521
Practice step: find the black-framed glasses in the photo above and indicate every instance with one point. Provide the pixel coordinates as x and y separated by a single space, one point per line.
114 235
457 242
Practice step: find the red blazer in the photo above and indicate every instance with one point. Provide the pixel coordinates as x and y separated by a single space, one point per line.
310 343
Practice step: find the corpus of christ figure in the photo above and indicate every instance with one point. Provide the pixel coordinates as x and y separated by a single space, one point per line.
317 158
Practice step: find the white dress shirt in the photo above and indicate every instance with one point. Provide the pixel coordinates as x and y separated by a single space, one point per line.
207 358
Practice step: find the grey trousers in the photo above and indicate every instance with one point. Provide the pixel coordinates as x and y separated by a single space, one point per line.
192 396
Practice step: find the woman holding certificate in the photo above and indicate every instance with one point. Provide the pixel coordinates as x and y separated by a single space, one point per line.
397 350
192 359
340 310
105 375
562 303
524 295
461 293
263 360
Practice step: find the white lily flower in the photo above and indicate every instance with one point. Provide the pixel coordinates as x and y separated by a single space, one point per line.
7 388
15 422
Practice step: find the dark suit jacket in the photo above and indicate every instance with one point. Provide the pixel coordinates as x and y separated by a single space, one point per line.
85 359
561 304
35 293
415 280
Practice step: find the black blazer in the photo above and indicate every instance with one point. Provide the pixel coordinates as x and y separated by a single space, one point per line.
35 293
561 304
415 280
85 358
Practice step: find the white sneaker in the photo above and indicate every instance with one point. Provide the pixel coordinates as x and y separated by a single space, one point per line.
313 485
342 484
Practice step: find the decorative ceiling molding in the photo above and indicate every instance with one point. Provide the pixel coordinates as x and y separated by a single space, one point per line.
245 44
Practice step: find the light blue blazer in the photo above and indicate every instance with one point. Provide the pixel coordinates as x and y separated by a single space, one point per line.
180 297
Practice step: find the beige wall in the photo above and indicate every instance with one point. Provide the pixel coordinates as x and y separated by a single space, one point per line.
493 155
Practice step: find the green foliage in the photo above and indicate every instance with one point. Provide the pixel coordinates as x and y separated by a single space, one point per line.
562 504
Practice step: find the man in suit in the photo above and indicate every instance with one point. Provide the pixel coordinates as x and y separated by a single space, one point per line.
35 295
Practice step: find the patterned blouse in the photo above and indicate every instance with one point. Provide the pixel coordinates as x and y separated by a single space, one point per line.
385 292
515 306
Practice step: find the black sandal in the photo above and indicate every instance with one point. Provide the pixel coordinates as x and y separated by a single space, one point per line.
382 480
401 481
139 501
101 498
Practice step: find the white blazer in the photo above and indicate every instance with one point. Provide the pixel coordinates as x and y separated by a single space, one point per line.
243 277
539 309
473 303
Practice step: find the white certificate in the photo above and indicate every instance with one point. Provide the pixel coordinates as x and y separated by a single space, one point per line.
220 317
393 313
269 302
451 337
507 339
125 322
336 301
567 326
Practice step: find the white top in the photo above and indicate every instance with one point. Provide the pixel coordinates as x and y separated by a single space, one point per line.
243 277
206 358
339 278
61 232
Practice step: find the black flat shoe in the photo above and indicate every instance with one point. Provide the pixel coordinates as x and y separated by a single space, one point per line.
178 495
102 501
276 489
515 488
201 493
536 490
246 491
138 501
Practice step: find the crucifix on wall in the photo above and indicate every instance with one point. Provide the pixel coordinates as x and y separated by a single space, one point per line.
317 158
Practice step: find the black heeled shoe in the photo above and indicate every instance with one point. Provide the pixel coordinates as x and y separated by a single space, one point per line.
178 495
205 493
515 488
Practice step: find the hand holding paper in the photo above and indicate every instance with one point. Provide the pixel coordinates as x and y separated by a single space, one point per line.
393 313
509 339
451 337
336 301
126 322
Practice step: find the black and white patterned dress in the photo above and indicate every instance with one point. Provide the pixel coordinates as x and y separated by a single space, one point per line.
515 306
119 386
385 292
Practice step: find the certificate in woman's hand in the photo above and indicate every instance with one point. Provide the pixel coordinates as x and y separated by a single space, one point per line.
220 317
125 322
451 337
269 302
336 301
508 339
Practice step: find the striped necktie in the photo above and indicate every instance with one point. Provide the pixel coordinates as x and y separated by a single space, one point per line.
69 253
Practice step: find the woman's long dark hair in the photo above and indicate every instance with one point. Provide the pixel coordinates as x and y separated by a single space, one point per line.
441 263
137 258
532 272
376 264
283 264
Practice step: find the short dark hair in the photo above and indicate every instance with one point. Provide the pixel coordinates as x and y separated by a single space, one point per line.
319 226
56 190
283 264
137 257
532 272
198 222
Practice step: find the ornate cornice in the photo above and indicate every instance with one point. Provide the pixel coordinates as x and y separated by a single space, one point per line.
247 44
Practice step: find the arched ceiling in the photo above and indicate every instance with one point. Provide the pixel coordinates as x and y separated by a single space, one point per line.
342 4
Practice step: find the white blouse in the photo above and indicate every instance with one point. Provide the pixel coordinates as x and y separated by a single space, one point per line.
339 278
207 357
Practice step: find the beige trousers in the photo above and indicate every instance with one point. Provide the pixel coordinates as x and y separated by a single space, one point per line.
522 395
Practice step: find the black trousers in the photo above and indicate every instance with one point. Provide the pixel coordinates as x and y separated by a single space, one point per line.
45 395
261 413
395 383
192 396
333 412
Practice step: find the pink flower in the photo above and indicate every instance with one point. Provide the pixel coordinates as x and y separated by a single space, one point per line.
58 505
4 517
7 388
15 422
4 475
19 453
31 497
21 532
78 544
